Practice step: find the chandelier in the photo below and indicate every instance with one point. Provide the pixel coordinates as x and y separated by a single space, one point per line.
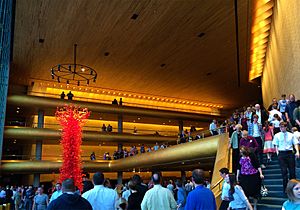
73 73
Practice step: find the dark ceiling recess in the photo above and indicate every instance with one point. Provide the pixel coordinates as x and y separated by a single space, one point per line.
208 74
201 34
41 40
106 54
134 16
162 65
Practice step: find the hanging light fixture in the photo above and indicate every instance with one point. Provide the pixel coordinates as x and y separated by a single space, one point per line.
73 73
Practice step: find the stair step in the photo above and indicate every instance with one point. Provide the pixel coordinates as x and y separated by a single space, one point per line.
276 193
268 207
275 187
272 176
272 200
275 166
273 181
272 171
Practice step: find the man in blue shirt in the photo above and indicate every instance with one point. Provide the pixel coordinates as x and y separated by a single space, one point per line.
201 198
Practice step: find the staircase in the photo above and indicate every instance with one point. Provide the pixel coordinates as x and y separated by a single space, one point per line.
273 182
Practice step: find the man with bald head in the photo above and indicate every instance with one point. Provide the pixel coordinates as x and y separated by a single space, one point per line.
201 198
158 198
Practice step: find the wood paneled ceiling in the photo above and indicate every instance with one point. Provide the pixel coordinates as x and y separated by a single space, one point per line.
165 32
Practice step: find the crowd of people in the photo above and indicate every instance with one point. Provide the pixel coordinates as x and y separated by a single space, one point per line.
157 194
99 194
123 153
255 131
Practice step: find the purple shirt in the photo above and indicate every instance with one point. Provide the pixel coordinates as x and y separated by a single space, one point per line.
247 167
249 142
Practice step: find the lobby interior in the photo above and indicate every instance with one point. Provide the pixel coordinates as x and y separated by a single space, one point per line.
175 64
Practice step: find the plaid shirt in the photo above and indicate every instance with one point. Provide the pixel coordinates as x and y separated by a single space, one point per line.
251 130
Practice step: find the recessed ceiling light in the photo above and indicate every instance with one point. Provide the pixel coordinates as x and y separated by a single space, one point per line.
41 40
134 16
139 118
162 65
201 34
208 74
106 54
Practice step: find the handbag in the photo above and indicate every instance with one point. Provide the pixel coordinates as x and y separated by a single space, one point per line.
263 190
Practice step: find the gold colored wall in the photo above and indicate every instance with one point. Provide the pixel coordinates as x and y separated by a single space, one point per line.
282 68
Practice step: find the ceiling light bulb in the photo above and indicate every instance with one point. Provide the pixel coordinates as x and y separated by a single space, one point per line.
82 69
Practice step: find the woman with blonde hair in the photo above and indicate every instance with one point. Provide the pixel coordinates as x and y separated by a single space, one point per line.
293 193
234 144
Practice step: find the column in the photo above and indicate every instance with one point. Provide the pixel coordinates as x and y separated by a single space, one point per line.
180 124
183 177
120 123
120 177
38 148
120 145
5 33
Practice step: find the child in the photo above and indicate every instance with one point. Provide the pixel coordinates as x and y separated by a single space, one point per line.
292 191
275 122
268 146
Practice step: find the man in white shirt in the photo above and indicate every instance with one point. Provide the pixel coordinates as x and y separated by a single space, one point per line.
225 189
158 197
57 193
100 197
213 128
273 112
284 142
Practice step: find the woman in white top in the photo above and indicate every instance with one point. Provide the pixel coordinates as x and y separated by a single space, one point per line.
237 197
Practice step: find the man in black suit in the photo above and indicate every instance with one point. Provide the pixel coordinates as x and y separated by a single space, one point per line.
69 199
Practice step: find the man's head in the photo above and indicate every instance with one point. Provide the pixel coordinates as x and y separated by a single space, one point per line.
283 96
136 179
156 178
58 186
283 126
98 178
223 172
274 101
257 107
68 186
40 190
214 121
292 97
132 185
198 176
255 118
178 183
245 134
